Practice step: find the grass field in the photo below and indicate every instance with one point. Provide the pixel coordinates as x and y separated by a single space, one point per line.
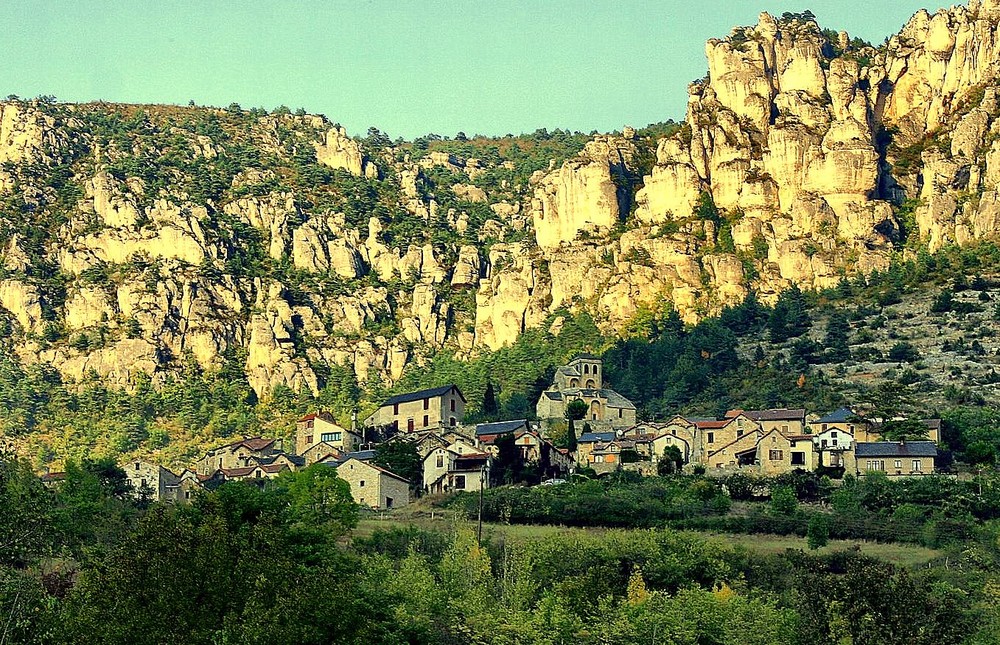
907 555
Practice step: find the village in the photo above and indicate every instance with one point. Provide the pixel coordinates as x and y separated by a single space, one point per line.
460 457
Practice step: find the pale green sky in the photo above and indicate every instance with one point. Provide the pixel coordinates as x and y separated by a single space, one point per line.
408 67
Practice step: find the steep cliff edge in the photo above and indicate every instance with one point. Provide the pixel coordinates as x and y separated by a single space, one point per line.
137 239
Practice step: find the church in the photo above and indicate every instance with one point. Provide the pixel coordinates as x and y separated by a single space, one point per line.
582 378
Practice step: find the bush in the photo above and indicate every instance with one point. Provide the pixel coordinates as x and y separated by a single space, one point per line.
818 531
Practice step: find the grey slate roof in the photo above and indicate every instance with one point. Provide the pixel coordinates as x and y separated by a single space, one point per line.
595 437
585 356
894 449
421 394
840 415
776 415
500 427
360 455
616 400
555 395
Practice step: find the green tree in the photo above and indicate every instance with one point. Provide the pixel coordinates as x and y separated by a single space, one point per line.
818 531
317 497
490 409
783 501
836 340
576 410
402 458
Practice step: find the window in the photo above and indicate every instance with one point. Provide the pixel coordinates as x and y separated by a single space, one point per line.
876 464
586 369
451 422
452 405
798 459
330 436
898 464
361 483
711 437
833 435
395 408
427 404
824 428
187 494
775 455
833 443
309 439
144 482
739 433
916 465
395 425
823 443
850 429
137 465
309 423
388 502
409 425
440 461
621 412
427 420
784 428
459 482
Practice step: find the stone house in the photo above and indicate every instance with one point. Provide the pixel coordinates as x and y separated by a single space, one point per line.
189 484
778 453
651 439
320 451
235 455
151 478
487 433
587 441
582 379
785 420
842 420
895 459
322 427
738 453
373 486
711 434
414 411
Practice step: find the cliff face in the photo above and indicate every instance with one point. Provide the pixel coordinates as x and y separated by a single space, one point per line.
134 239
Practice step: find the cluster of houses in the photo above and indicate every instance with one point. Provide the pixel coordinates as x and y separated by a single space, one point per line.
459 457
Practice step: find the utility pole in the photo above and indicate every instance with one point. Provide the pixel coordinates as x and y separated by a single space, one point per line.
482 485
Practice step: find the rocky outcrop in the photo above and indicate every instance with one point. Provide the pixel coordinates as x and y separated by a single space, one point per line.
795 157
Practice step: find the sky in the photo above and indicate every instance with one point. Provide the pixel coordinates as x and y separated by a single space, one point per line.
408 67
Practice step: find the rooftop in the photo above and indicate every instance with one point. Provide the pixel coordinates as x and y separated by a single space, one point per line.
500 427
594 437
896 449
840 415
422 394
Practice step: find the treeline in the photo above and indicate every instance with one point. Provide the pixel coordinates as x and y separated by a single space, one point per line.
249 565
932 511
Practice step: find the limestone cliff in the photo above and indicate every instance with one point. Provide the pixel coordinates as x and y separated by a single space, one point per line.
137 238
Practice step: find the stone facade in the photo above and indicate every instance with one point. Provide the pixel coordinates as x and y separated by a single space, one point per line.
322 427
582 379
374 487
417 411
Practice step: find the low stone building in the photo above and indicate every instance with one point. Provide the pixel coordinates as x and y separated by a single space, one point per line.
236 455
895 459
415 411
373 486
150 479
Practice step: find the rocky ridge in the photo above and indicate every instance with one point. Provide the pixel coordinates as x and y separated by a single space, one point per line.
137 238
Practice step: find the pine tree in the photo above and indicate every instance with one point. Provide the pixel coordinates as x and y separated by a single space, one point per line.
836 340
491 411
